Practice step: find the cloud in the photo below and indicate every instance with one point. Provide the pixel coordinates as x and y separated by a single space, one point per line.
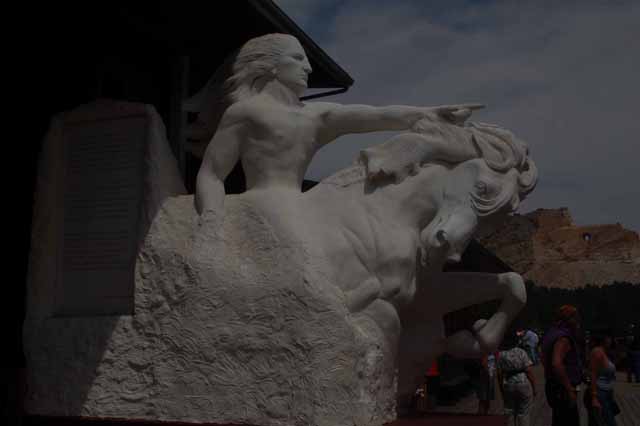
561 75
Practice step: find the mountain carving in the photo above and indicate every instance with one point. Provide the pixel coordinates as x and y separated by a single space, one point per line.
547 247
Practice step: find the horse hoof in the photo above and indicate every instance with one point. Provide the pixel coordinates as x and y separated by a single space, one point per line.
479 325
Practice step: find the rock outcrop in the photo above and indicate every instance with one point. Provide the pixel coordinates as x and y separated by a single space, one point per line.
546 246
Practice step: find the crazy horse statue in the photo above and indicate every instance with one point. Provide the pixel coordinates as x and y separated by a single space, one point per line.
277 307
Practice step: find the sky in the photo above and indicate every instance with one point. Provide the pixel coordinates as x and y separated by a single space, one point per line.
562 75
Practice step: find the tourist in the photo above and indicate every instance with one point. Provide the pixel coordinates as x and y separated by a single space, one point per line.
599 399
529 342
484 381
516 381
633 360
562 363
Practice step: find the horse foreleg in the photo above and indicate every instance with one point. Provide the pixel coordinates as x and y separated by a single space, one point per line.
457 290
363 295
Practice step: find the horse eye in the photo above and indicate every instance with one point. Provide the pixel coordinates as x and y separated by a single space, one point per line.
481 187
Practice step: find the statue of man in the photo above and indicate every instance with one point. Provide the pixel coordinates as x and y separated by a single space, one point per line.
251 108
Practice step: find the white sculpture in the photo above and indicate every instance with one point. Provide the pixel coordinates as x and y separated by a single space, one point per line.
251 108
290 307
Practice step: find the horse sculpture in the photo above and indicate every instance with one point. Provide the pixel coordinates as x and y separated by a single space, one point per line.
295 309
362 229
427 192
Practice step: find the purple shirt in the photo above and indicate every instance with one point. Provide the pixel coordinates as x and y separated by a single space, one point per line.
572 361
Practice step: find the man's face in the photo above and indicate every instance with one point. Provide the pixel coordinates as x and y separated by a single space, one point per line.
293 67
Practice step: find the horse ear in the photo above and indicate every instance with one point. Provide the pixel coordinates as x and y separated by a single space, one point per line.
372 164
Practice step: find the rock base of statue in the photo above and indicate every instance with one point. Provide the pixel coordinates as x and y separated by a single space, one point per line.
232 324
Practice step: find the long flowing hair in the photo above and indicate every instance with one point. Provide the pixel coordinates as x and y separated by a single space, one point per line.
243 74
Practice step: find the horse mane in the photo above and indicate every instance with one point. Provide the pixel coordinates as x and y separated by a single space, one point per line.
502 151
429 143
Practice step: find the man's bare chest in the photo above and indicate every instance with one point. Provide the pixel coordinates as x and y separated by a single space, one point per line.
282 128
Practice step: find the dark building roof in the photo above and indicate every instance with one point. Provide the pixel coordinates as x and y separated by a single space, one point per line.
206 33
73 46
212 30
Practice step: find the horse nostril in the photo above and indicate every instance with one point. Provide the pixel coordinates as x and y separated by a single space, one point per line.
441 238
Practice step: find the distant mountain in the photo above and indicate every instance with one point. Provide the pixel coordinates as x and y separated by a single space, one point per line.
545 246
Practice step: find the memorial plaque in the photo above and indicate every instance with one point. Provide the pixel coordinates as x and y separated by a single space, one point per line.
103 191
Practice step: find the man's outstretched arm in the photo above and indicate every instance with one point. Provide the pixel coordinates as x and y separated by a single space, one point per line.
338 120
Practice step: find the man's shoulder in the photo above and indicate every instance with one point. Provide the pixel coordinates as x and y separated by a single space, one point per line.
242 108
241 112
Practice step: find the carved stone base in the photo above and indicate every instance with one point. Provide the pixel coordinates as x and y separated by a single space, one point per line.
232 324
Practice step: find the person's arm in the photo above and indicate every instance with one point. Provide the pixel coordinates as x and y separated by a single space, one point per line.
484 361
595 363
338 120
220 157
532 380
560 350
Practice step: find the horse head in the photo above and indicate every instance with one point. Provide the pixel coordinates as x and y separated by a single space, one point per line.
486 173
481 189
